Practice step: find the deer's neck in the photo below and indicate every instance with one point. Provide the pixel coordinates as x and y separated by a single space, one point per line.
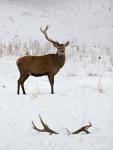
59 60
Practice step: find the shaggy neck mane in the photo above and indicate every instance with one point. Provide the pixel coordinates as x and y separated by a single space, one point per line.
59 60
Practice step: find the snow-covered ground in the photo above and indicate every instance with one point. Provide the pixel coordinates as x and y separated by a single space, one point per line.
83 87
76 101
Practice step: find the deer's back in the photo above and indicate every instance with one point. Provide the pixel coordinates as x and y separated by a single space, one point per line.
36 64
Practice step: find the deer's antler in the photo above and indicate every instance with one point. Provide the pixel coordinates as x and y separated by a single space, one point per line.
84 129
46 128
44 31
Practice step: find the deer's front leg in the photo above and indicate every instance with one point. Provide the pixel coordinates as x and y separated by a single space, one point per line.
51 80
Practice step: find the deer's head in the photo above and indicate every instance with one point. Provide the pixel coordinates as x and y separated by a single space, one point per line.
60 47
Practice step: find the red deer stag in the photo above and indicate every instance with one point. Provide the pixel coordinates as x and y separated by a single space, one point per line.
42 65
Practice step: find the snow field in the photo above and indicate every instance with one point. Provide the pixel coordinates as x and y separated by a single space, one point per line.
75 102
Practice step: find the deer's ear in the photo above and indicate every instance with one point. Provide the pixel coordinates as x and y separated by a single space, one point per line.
66 44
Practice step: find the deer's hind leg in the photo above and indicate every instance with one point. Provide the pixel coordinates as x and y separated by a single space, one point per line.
18 86
21 81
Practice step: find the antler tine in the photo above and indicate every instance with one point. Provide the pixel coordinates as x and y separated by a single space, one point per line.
84 129
47 27
36 128
90 125
45 127
44 30
41 29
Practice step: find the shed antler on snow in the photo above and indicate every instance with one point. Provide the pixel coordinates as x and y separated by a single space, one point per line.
83 129
46 128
